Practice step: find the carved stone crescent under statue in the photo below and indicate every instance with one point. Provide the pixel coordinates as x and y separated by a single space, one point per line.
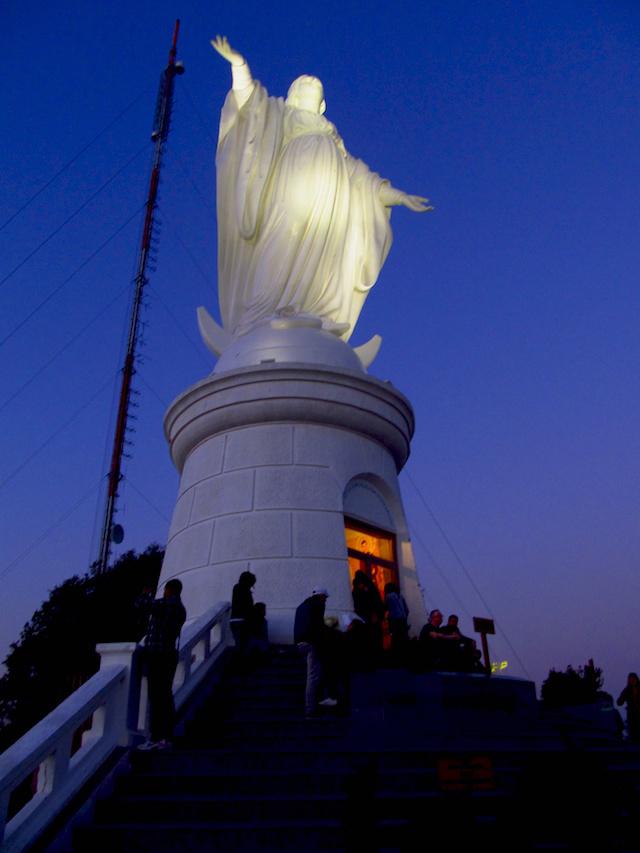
303 227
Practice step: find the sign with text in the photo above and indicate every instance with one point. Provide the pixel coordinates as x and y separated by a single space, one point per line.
483 626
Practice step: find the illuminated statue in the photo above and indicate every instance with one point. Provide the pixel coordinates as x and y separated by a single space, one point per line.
303 227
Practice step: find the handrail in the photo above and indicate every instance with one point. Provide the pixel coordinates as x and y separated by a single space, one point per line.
115 701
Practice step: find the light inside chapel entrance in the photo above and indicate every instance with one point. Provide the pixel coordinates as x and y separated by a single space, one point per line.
372 551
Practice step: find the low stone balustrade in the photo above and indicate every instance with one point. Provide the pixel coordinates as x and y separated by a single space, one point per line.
63 751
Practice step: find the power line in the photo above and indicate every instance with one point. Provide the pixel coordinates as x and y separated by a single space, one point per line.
198 114
71 217
162 402
71 161
73 274
146 499
54 434
49 530
443 576
465 570
62 349
181 329
205 201
207 278
449 543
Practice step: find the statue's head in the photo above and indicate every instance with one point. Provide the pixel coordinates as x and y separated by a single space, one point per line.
306 93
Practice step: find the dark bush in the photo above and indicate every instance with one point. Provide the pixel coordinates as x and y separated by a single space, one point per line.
56 650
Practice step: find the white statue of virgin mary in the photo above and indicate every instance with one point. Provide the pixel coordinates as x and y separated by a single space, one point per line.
303 227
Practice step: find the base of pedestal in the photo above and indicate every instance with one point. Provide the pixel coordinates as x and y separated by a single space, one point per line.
271 459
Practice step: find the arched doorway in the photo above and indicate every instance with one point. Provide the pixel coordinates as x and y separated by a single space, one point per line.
373 551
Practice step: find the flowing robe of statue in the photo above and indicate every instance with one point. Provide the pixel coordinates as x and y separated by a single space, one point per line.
301 227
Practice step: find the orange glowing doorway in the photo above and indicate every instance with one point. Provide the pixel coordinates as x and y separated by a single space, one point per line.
372 551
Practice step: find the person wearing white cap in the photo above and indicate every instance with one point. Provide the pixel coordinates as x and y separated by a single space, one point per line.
310 634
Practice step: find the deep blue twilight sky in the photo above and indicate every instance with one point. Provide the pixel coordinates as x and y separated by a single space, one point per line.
509 315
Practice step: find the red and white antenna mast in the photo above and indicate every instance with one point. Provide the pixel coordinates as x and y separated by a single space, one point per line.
158 137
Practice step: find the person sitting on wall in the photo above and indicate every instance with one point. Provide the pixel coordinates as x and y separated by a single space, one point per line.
242 611
452 626
477 665
462 656
438 648
165 616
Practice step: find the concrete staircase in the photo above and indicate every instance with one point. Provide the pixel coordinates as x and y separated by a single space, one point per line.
250 773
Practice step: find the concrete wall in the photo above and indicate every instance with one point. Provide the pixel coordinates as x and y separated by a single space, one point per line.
269 496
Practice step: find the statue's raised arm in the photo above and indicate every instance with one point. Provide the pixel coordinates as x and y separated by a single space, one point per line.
240 71
303 227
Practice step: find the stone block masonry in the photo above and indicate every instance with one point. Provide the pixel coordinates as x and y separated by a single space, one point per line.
266 455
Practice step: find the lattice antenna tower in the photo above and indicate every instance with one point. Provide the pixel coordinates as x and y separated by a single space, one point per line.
161 124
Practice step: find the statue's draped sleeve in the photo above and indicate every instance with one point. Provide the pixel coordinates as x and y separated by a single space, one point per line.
248 144
368 237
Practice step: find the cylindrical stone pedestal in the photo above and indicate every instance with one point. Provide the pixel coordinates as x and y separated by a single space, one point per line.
271 458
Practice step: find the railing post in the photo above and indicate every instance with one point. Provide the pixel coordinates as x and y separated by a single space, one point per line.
54 769
4 809
121 715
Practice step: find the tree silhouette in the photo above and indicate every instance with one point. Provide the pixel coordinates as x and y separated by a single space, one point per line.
56 650
573 686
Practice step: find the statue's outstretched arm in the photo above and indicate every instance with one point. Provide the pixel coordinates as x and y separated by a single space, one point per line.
240 71
391 197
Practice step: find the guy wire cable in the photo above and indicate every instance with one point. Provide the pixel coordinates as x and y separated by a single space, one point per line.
466 571
63 348
70 162
78 210
56 433
84 263
49 530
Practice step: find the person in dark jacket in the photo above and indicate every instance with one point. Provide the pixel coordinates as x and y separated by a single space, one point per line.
398 613
310 634
368 605
258 631
165 618
242 610
437 645
631 696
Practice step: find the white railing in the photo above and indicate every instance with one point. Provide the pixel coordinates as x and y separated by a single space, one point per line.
114 701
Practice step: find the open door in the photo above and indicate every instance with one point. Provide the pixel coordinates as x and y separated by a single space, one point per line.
372 551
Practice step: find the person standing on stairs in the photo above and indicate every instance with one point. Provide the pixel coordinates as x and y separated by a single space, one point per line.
631 695
311 636
166 616
242 611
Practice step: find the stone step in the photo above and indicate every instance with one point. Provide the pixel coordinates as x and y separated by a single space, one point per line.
165 837
365 832
197 808
245 712
241 692
272 713
264 697
253 727
266 681
286 671
286 781
311 758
